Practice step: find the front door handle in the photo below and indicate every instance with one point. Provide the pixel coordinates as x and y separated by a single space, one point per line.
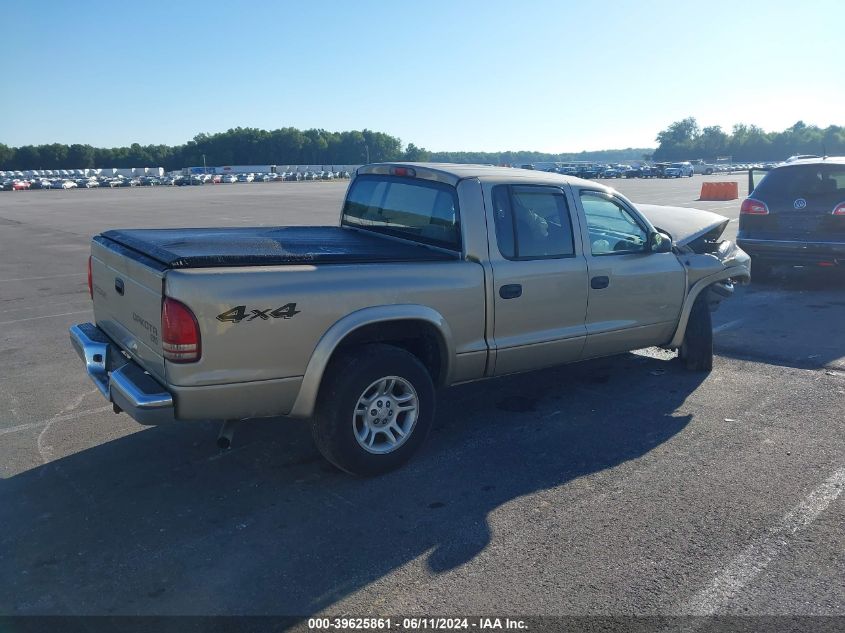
597 283
510 291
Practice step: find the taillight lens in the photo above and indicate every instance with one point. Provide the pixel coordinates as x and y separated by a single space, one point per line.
90 280
180 332
750 206
839 209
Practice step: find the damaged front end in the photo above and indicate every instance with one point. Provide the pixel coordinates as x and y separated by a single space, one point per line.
696 235
712 265
710 259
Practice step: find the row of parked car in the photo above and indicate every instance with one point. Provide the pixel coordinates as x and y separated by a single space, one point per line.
684 169
285 176
19 184
591 171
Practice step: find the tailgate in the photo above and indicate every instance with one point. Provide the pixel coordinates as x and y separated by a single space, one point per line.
127 301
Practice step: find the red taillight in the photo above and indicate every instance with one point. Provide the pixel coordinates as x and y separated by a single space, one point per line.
839 209
180 332
751 206
90 280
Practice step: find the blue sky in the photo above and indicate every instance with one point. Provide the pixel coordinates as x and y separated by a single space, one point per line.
453 75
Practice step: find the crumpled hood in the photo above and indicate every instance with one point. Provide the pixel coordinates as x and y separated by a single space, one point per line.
683 224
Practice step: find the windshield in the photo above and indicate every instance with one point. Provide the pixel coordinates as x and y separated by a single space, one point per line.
421 210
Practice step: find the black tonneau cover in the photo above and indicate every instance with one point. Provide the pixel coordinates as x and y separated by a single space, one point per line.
267 246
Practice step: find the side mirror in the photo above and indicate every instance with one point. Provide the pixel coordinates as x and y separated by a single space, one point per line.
659 243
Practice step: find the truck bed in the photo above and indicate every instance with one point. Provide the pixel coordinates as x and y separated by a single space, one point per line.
267 246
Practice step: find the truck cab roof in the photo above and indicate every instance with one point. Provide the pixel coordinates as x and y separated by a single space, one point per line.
453 173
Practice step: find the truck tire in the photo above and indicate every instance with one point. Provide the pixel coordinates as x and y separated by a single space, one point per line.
697 348
374 410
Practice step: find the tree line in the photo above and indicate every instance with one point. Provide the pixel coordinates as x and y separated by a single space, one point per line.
685 140
682 140
285 146
238 146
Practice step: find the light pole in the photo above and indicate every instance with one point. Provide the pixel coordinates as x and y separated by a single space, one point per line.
204 169
367 148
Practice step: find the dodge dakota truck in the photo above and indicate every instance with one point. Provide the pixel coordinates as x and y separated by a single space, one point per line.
436 275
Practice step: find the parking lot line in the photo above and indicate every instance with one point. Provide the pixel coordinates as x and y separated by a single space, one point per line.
727 326
83 301
57 418
753 560
46 316
49 277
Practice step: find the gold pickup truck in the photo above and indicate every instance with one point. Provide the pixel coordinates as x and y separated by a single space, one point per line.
437 275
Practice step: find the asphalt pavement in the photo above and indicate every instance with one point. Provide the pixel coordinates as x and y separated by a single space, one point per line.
622 486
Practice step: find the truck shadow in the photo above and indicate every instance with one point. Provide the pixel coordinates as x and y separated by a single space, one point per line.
159 523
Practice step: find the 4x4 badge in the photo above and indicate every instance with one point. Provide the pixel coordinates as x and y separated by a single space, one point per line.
799 203
239 313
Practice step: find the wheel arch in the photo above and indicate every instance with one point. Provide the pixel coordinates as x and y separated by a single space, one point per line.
694 292
419 329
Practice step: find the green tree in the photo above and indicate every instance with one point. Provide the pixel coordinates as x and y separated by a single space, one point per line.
81 156
27 157
7 156
416 154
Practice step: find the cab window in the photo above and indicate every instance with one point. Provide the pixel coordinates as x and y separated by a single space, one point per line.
613 230
532 222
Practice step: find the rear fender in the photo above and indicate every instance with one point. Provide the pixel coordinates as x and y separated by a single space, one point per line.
305 402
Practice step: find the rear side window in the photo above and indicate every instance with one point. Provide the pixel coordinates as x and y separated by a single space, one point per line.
415 209
532 222
823 184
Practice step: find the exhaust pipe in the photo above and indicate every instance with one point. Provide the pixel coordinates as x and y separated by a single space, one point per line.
224 438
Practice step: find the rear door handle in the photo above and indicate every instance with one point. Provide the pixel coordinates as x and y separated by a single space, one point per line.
118 286
510 291
597 283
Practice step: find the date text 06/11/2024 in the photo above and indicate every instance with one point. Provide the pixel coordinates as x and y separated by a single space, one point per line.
416 624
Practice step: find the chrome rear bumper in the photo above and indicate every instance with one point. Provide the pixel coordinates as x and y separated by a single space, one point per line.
121 381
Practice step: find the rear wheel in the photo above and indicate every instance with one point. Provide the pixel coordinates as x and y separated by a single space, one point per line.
375 409
697 348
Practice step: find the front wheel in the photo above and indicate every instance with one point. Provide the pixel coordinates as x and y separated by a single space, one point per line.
697 348
375 409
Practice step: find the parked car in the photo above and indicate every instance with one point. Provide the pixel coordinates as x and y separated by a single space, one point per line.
795 215
210 325
587 171
20 185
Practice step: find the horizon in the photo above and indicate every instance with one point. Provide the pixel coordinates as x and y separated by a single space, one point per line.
566 79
